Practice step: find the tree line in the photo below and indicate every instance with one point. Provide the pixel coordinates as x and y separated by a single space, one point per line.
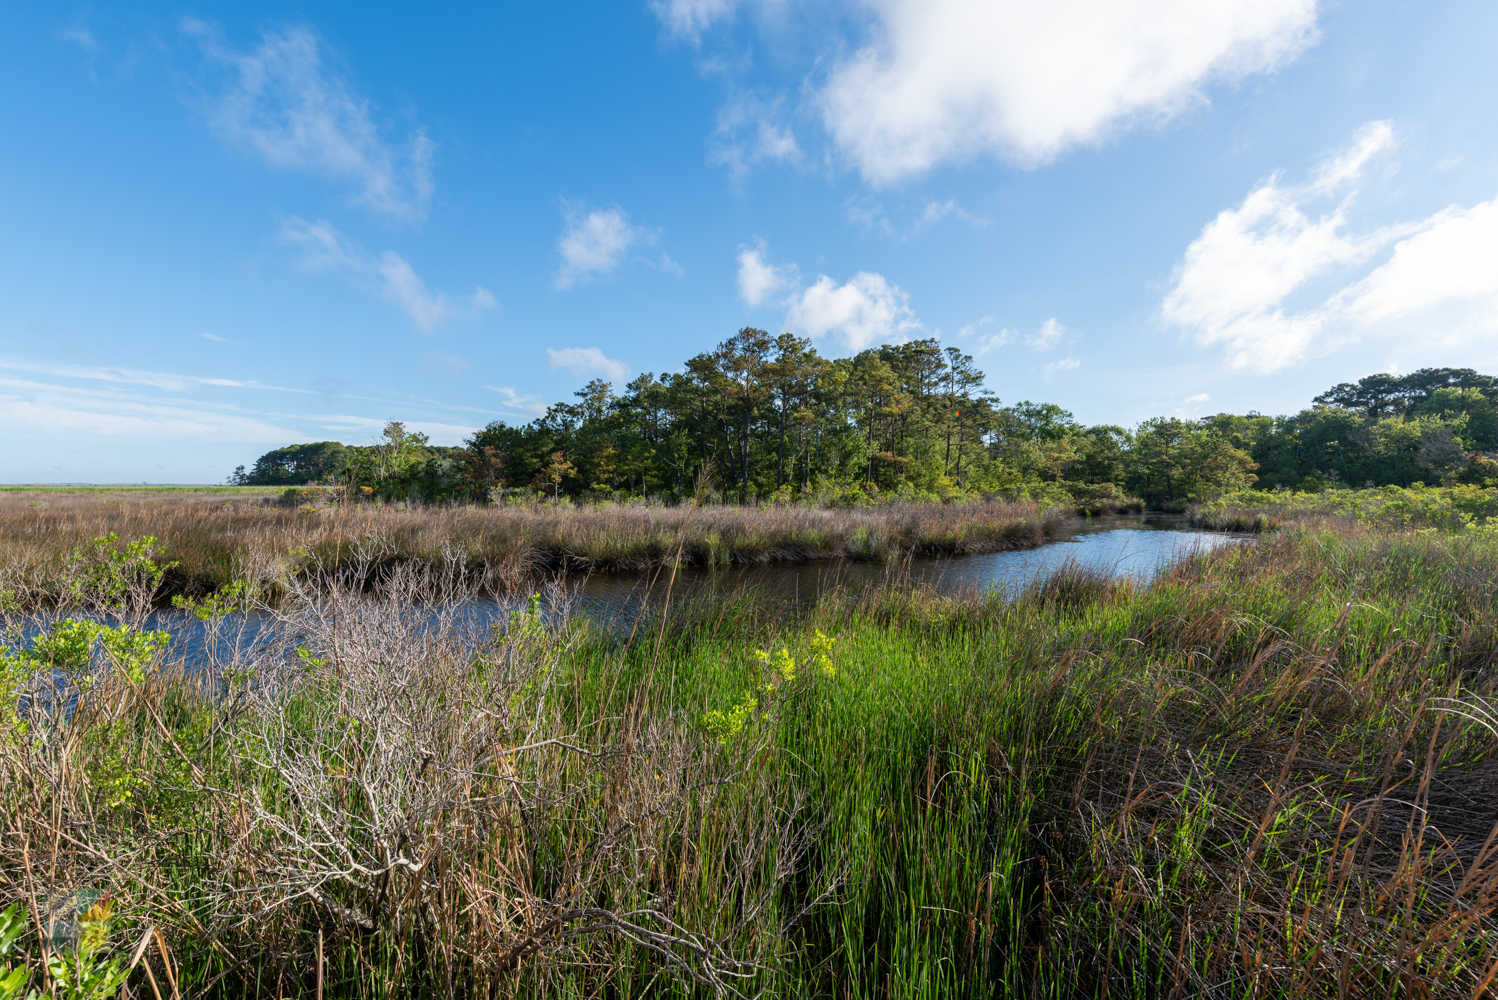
761 416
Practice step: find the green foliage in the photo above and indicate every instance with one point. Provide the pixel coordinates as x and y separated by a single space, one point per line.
116 576
296 465
234 596
70 646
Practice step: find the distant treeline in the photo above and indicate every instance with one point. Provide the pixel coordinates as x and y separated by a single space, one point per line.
762 417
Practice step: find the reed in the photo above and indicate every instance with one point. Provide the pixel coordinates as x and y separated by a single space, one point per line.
1267 773
501 547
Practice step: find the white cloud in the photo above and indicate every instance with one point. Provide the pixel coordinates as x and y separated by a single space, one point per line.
1062 365
1453 262
948 79
749 134
325 248
689 18
529 405
986 342
299 114
759 280
131 376
595 242
36 409
869 213
1200 397
1235 281
79 34
864 311
582 361
1048 336
216 338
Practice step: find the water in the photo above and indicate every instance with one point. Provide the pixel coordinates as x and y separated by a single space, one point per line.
1125 545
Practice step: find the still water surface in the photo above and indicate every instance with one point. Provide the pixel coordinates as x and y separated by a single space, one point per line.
1125 545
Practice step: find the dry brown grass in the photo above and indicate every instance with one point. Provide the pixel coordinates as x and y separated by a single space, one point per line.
214 544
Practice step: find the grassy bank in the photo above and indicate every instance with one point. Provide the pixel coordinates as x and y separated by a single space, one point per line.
1447 507
213 545
1269 773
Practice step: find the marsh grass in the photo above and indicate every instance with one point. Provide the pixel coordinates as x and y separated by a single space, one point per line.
496 548
1270 772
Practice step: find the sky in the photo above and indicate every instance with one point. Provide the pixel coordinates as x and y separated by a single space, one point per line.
226 228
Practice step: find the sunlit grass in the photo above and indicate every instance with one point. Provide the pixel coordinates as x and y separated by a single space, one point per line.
1270 772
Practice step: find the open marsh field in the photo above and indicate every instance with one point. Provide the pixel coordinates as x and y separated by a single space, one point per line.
1269 771
213 544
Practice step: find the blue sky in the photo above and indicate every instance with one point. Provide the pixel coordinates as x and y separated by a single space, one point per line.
226 228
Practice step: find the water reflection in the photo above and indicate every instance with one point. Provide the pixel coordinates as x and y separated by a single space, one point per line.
1125 545
1136 546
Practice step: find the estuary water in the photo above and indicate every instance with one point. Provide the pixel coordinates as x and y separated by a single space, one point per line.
1136 546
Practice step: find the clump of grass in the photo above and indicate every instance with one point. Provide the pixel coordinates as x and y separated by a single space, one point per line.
1268 773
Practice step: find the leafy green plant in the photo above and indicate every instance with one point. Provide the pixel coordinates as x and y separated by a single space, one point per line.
116 576
12 978
70 645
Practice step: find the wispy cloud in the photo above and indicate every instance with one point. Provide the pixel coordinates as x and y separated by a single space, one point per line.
440 433
520 402
217 339
78 34
37 409
325 248
582 361
987 340
595 241
131 376
1062 365
1048 336
689 18
869 213
286 104
751 131
1235 283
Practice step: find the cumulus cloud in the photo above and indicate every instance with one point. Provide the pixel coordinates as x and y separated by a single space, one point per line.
864 311
1048 336
759 280
1200 397
948 79
325 248
1062 365
531 406
582 361
1235 282
284 103
594 242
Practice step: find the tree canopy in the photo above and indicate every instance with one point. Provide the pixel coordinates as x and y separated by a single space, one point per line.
762 416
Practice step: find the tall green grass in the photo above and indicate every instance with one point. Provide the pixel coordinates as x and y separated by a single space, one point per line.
1268 773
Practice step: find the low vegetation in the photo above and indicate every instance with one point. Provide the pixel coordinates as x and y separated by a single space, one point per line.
1270 772
496 548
